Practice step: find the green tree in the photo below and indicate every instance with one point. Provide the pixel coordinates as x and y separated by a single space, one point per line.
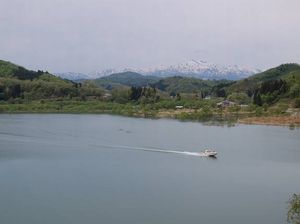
121 95
241 98
293 214
294 90
257 99
297 103
178 97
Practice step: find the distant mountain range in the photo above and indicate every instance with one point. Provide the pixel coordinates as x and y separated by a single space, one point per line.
265 88
74 76
192 68
200 69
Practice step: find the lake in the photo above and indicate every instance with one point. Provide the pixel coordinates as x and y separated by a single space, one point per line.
109 169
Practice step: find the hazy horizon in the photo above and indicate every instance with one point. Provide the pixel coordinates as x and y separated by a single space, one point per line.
85 36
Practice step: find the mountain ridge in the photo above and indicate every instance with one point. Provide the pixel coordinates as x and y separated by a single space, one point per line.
192 68
74 76
125 78
201 69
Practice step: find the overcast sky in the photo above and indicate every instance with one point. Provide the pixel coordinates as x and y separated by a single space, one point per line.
87 35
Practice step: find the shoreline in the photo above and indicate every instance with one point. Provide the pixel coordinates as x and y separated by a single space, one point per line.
278 120
272 120
211 115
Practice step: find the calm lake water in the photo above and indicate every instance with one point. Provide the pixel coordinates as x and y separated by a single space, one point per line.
96 169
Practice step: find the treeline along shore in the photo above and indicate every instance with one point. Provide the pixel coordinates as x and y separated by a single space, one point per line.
270 97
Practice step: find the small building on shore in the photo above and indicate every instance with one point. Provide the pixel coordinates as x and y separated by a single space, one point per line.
226 103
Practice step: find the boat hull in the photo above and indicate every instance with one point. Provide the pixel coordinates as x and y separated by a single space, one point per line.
210 153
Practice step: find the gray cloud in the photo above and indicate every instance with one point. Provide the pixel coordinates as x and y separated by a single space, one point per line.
85 35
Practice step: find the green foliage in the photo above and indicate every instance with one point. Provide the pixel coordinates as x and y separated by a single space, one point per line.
293 214
259 111
257 99
178 84
297 103
204 114
272 90
277 72
89 89
274 83
121 95
135 93
143 94
8 69
220 90
246 85
235 109
241 98
270 86
278 109
166 104
125 79
22 90
294 90
18 82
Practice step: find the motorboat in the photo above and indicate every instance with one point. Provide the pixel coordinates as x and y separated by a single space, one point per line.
210 152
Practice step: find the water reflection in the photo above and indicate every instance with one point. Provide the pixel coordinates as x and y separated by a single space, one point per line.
73 166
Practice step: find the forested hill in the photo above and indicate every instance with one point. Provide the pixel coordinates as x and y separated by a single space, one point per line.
268 87
178 84
8 69
271 85
265 87
284 72
18 82
281 71
126 79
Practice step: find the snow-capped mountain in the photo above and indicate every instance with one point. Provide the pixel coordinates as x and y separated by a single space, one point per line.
200 69
192 68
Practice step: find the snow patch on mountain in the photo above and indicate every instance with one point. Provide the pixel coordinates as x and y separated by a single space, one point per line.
200 69
193 68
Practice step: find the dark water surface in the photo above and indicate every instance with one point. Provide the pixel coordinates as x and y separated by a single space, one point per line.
86 169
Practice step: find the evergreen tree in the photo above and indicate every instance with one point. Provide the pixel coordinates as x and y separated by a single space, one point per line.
257 99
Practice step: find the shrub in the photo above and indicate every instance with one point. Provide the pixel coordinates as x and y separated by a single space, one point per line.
297 103
293 215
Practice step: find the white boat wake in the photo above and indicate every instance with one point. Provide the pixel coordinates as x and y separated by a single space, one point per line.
202 154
